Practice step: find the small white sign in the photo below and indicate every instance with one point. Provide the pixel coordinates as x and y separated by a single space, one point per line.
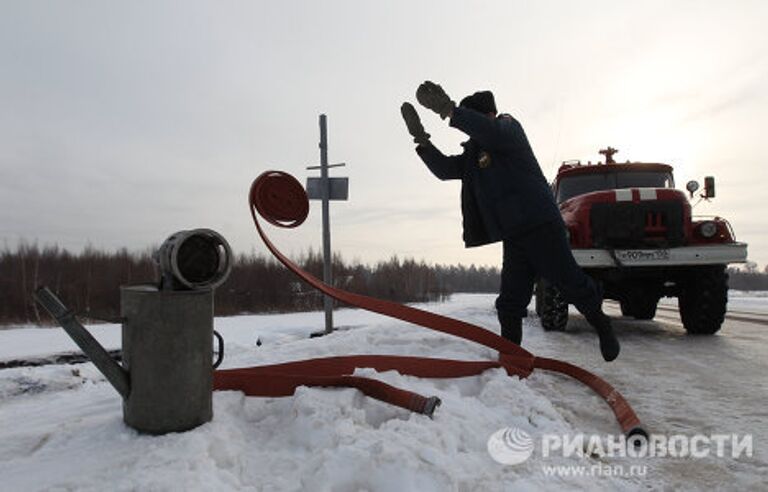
338 188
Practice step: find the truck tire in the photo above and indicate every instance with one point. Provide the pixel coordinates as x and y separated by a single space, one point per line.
703 300
626 308
641 306
539 301
554 310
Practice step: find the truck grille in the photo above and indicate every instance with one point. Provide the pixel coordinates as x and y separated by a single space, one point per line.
633 225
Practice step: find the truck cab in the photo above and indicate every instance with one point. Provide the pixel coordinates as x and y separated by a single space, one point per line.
632 230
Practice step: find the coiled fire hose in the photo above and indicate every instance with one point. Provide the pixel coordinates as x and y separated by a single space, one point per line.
281 200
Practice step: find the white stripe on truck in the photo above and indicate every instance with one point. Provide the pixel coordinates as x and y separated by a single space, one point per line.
648 194
624 195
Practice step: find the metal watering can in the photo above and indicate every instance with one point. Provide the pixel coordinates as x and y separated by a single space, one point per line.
166 377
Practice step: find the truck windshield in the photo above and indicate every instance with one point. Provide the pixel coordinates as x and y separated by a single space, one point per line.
587 183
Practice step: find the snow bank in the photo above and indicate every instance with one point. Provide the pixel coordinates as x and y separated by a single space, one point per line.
61 426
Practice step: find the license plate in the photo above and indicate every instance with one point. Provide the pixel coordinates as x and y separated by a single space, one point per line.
643 255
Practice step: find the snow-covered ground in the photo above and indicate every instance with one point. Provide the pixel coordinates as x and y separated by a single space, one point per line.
61 426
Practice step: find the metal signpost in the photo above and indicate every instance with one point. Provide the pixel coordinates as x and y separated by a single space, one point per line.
326 189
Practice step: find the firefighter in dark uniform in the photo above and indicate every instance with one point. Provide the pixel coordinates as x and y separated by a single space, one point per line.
505 197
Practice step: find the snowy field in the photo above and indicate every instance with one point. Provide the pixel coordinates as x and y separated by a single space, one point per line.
61 426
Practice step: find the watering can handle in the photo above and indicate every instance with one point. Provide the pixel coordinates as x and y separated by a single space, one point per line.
100 357
220 352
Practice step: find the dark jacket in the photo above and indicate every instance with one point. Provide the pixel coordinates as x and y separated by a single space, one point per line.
503 191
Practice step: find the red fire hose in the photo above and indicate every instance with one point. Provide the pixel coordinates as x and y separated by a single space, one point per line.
281 200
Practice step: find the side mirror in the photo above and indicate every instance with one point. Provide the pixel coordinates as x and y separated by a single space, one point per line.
692 186
709 187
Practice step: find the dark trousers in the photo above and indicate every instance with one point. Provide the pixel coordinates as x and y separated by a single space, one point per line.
544 252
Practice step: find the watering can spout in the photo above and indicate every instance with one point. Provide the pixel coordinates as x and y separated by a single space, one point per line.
114 373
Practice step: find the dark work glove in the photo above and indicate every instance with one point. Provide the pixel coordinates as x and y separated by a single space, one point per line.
432 96
412 121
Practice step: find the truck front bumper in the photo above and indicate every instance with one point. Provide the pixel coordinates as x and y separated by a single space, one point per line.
714 254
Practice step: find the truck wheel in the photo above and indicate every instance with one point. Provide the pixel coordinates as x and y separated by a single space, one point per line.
703 300
538 296
645 309
640 306
554 309
626 309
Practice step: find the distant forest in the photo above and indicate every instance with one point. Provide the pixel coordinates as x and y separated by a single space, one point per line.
88 282
749 279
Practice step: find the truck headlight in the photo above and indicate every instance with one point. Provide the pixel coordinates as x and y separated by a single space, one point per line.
708 229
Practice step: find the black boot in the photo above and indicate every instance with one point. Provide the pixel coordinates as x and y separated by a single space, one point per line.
609 344
511 327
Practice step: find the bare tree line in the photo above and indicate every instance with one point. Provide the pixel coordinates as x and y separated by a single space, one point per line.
749 279
88 282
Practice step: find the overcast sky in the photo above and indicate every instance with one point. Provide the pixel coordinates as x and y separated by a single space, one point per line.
122 122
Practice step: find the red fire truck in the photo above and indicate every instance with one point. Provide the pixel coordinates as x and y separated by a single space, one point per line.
632 231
